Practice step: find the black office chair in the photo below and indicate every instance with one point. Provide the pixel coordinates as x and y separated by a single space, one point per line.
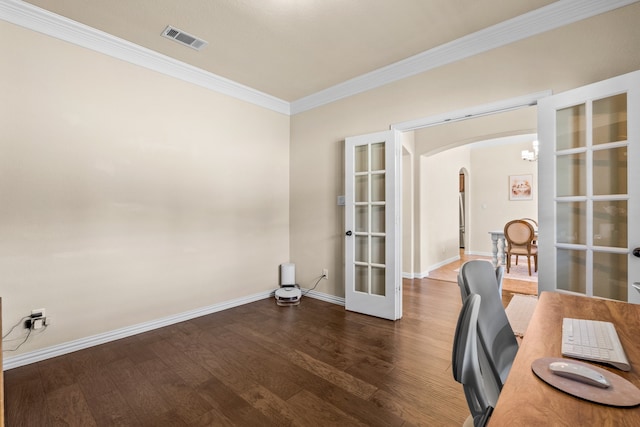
465 363
496 335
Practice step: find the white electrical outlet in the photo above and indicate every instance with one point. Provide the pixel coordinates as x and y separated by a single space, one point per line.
38 323
325 273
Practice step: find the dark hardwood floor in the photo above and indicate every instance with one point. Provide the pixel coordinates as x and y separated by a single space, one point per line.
260 365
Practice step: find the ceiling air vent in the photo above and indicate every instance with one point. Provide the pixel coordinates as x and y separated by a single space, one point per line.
183 38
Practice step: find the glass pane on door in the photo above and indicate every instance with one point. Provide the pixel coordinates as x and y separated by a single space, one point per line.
361 158
377 281
572 270
572 175
610 119
591 186
361 278
377 157
571 127
377 219
571 219
610 275
369 219
361 218
610 166
610 223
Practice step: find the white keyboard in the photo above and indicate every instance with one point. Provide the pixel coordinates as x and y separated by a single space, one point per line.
593 340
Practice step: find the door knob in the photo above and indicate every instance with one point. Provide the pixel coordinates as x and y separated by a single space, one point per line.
349 233
636 252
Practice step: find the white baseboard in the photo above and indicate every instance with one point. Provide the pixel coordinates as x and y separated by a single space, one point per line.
82 343
325 297
489 254
424 274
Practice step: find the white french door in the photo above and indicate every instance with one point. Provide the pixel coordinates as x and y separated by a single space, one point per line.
589 177
373 283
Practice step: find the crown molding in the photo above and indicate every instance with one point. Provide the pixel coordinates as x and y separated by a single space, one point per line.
538 21
34 18
555 15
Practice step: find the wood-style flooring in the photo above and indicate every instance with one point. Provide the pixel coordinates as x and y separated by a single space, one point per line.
510 285
259 365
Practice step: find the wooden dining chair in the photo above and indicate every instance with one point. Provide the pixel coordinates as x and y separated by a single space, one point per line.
520 236
535 227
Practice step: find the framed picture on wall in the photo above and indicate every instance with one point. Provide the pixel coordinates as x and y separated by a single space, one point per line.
520 187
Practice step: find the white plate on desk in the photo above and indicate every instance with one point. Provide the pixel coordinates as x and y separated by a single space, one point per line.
620 393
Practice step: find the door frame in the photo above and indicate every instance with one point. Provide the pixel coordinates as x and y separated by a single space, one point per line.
497 107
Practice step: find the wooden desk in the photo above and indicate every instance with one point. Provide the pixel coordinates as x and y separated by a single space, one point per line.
527 400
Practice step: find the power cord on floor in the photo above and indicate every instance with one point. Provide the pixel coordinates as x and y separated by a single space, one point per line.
314 286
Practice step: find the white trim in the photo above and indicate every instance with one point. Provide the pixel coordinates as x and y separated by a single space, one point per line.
34 18
82 343
324 297
474 112
443 263
425 274
478 253
553 16
538 21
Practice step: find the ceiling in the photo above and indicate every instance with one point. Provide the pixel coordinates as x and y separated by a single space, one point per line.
293 49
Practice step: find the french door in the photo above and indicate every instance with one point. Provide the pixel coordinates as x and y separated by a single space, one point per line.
589 177
373 283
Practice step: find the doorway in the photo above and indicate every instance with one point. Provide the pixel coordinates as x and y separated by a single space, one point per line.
462 179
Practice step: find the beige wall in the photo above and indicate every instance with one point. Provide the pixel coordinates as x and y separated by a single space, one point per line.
439 184
489 206
585 52
488 165
126 195
408 210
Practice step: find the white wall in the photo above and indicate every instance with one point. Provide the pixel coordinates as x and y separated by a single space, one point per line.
126 195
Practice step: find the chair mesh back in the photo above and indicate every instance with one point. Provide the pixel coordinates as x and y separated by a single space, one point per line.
465 361
496 335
